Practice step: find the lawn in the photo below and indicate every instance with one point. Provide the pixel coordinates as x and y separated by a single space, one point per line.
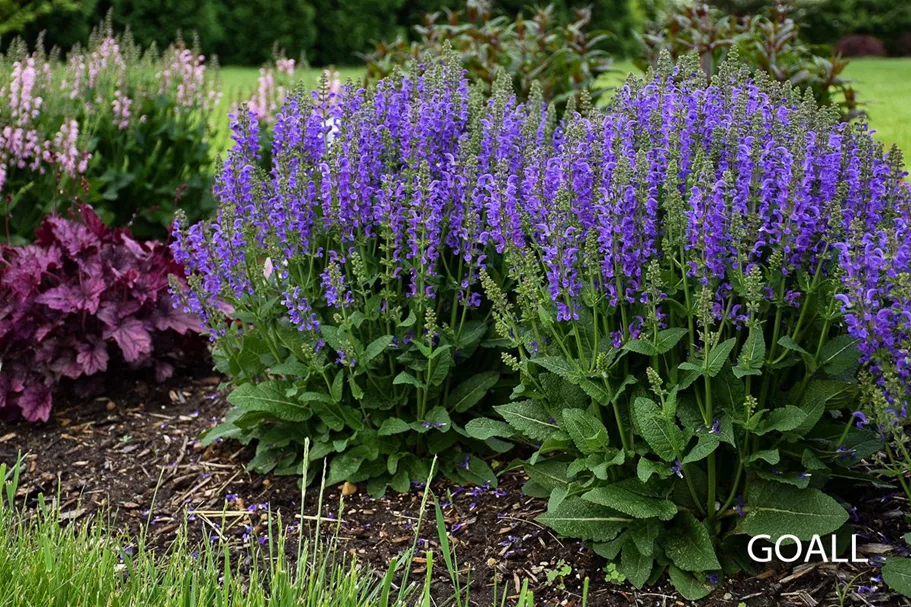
884 86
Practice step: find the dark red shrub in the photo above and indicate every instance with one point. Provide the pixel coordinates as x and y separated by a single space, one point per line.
857 45
82 299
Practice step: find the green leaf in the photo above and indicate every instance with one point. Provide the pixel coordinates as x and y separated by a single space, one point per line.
635 565
810 461
337 387
330 414
635 498
693 372
223 430
249 358
393 425
752 354
528 417
839 354
594 391
472 333
555 364
771 456
377 347
586 430
627 381
435 419
290 368
730 391
407 378
609 550
578 518
687 585
409 320
640 346
788 343
802 481
814 401
550 474
668 338
707 443
400 482
269 397
483 428
897 574
777 509
468 393
477 472
392 464
643 534
646 468
782 419
440 370
556 497
343 468
333 336
719 356
561 393
689 545
662 435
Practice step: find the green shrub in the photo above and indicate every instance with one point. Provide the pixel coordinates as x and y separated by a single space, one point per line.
124 130
825 22
769 41
286 24
80 18
563 55
160 22
348 28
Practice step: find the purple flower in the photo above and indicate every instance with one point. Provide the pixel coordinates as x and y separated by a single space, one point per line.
677 468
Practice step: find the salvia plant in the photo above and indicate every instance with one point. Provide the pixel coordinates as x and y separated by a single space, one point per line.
124 129
678 302
81 300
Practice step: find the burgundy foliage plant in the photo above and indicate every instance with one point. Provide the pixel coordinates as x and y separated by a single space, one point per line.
82 299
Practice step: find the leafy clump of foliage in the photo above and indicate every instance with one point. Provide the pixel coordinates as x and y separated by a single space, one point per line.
565 57
769 40
126 130
80 300
676 301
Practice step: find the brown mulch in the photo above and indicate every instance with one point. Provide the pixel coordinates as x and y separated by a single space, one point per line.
135 453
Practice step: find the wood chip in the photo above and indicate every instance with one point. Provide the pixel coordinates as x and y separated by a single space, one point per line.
71 514
799 572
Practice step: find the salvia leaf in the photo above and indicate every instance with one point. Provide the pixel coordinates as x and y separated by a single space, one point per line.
777 509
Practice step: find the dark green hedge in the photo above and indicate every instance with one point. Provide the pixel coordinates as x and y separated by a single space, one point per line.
242 32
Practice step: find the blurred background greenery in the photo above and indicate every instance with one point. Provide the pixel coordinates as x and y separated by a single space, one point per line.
242 32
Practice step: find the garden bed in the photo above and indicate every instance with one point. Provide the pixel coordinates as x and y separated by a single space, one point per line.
135 454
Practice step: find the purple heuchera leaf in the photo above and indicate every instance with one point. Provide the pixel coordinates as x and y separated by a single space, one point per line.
35 403
132 336
84 295
93 357
68 296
